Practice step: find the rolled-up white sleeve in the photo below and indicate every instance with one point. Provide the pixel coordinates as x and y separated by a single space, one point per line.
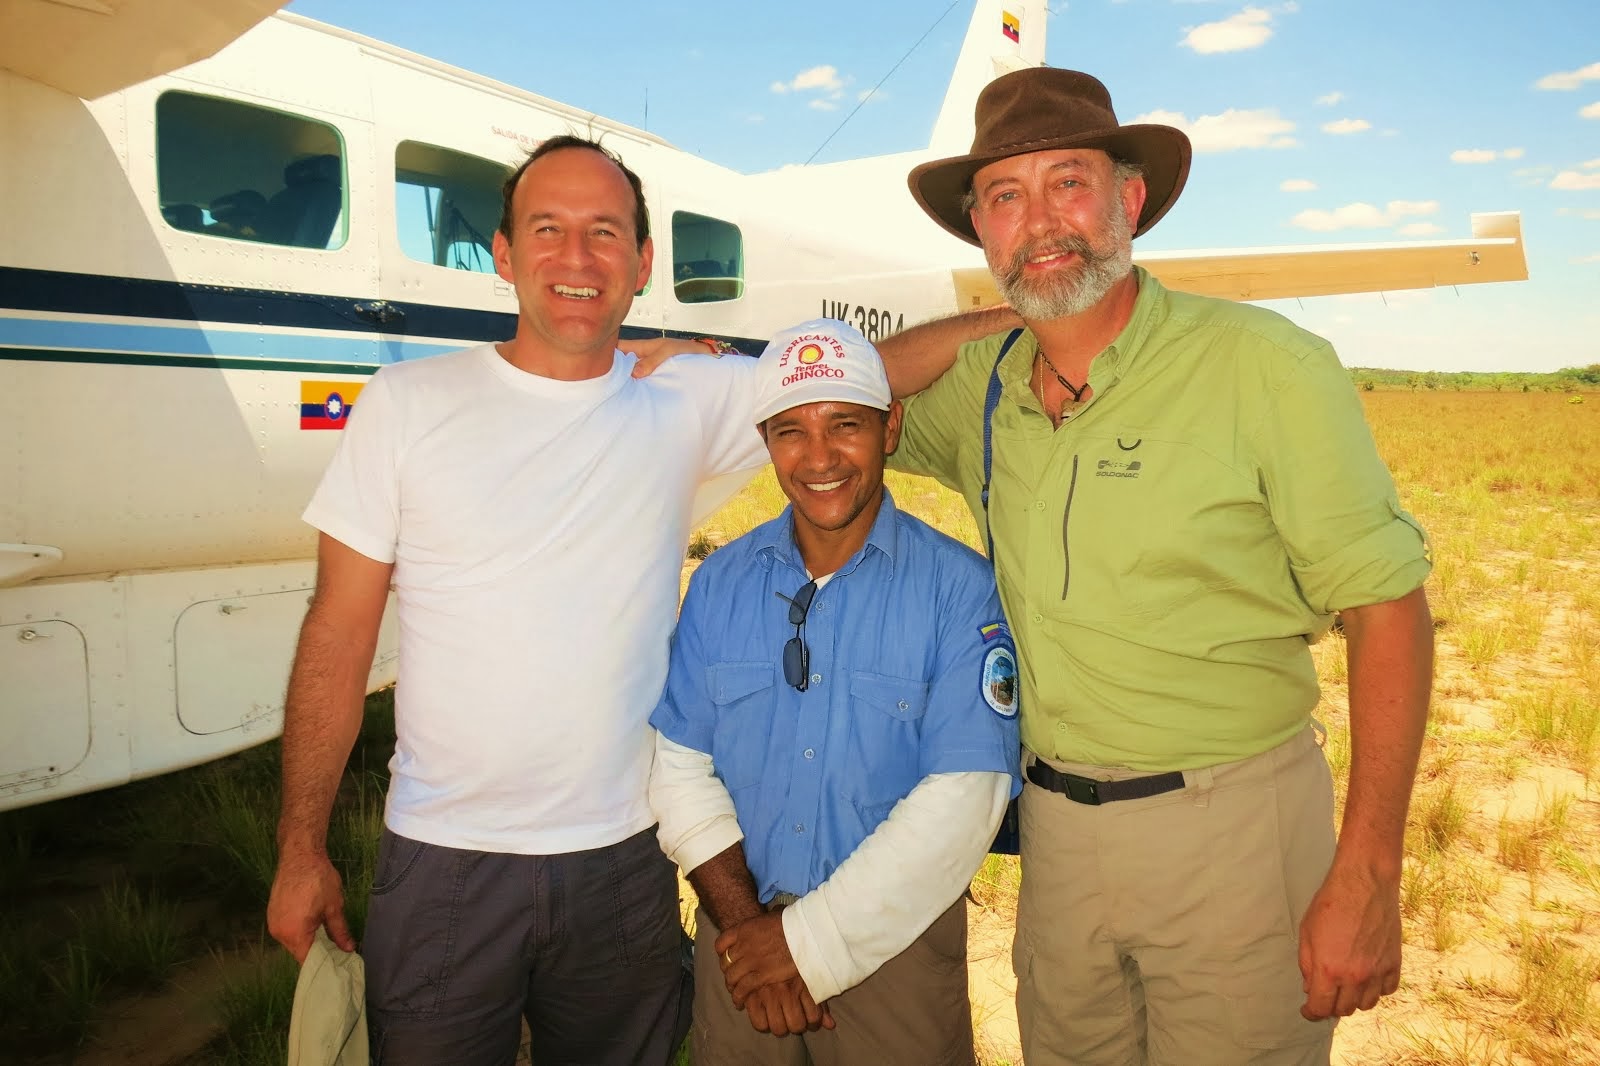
892 887
695 815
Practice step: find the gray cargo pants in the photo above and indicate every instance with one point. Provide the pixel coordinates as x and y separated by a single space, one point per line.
461 946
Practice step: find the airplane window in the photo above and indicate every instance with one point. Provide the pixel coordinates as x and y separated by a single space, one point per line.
247 173
707 259
446 206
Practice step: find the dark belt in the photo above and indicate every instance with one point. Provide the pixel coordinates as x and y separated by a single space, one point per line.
1088 790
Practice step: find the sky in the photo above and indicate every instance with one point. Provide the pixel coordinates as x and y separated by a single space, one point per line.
1314 122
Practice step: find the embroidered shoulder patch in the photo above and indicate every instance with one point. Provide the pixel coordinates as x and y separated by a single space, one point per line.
993 630
999 680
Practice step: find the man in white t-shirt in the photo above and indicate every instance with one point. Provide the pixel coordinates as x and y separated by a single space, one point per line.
529 501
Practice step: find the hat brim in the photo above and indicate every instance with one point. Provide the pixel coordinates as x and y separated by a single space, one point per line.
1162 152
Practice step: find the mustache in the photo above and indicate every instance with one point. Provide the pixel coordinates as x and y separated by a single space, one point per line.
1050 246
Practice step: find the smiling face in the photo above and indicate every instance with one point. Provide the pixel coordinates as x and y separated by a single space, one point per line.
828 458
573 254
1056 228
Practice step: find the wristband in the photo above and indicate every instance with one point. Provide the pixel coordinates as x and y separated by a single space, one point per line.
718 348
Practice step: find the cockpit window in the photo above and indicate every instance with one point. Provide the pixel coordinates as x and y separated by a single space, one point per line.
707 259
447 205
247 173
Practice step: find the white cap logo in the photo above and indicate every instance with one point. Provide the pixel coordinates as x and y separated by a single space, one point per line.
816 362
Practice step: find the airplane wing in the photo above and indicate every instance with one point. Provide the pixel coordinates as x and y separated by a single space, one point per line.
1494 253
92 47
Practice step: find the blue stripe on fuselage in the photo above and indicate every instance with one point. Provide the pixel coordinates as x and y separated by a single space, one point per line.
198 340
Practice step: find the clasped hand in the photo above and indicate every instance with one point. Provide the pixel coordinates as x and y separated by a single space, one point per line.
764 981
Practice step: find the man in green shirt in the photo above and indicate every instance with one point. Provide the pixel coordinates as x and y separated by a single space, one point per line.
1183 494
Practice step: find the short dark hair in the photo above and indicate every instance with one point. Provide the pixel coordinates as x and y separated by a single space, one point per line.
641 213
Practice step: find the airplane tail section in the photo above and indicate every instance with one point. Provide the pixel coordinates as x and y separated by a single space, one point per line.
1004 35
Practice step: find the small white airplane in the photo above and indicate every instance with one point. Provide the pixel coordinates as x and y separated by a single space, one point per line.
217 220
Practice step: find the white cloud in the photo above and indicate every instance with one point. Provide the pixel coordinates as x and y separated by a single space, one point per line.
1231 130
1250 28
1582 259
1590 164
755 118
1569 79
1591 213
867 94
821 104
1483 155
1329 99
1420 229
1298 185
1532 177
1591 111
1571 180
1363 216
820 77
1346 125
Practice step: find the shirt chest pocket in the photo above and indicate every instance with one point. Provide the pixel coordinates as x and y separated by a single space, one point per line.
1155 523
744 699
885 757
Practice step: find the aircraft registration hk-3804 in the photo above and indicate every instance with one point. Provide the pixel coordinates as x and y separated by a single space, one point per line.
217 220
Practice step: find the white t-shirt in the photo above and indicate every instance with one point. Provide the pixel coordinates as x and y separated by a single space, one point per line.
537 529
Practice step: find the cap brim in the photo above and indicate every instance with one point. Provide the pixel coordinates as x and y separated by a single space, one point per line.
1162 152
836 393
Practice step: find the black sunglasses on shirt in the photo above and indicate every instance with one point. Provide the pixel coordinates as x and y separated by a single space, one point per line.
796 656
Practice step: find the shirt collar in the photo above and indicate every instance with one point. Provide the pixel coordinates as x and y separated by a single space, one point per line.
774 540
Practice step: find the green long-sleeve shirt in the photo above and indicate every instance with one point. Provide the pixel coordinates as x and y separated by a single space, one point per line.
1166 556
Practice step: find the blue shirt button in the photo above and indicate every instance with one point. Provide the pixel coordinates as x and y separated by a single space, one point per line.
816 679
799 828
810 753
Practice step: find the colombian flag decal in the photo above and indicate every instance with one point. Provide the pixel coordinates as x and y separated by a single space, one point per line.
1010 26
993 631
327 404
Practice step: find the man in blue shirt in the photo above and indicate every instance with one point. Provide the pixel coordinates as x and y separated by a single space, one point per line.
838 741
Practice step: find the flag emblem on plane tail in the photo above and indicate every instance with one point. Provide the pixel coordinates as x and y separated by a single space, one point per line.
327 404
1010 26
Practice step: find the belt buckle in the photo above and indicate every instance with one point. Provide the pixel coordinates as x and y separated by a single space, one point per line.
1082 789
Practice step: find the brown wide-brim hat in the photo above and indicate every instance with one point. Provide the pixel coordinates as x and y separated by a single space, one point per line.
1043 109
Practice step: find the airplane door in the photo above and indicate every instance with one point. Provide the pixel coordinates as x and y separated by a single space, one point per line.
701 258
44 703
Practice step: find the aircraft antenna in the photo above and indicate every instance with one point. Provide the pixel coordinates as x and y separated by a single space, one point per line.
863 101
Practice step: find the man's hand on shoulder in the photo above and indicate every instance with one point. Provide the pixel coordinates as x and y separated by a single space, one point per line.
654 351
307 894
1350 943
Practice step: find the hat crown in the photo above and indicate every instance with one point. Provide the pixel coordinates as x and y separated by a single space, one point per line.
1041 109
1039 104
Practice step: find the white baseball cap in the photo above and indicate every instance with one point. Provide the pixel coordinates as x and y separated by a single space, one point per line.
818 361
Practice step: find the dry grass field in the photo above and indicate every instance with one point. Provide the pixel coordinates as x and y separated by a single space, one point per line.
131 928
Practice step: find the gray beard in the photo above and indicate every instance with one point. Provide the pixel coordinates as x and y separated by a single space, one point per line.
1074 293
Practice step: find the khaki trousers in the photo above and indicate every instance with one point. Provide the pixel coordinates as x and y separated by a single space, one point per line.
1164 931
913 1011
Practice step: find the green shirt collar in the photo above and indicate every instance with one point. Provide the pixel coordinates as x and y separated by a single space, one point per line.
1113 364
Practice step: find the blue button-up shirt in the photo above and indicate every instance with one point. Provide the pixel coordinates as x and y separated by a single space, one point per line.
912 673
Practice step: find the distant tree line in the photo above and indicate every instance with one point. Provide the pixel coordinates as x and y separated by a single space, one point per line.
1570 379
